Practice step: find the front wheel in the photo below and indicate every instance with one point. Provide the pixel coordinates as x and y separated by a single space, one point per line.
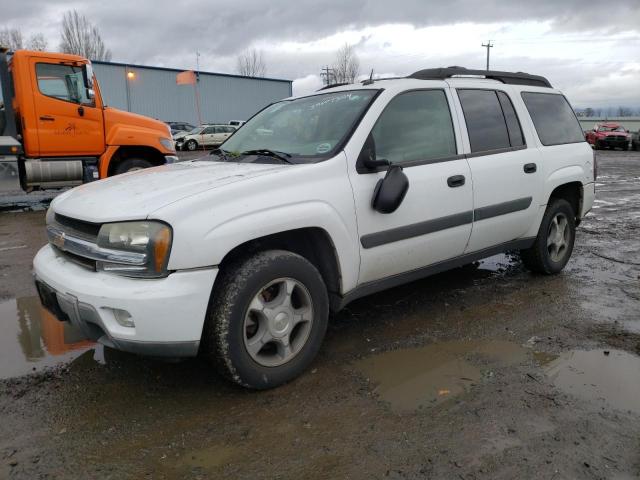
131 165
191 145
553 246
267 320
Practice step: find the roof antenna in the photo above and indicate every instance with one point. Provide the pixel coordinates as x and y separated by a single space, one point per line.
369 81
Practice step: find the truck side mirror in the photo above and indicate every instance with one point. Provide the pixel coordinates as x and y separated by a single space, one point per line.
87 74
390 190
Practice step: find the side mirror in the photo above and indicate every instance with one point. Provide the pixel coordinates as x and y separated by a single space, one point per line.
390 190
88 76
367 157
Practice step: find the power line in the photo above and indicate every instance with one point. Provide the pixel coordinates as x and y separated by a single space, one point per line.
488 45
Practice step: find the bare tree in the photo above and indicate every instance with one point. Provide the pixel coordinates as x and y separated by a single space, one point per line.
37 42
11 38
251 63
81 37
347 65
624 112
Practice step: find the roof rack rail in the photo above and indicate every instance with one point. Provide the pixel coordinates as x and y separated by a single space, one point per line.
513 78
341 84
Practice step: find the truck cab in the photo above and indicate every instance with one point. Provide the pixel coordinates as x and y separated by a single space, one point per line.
56 130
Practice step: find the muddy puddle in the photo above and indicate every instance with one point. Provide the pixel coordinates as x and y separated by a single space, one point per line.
608 378
31 338
410 379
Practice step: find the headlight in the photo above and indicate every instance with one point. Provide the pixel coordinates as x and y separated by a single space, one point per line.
145 247
50 216
166 143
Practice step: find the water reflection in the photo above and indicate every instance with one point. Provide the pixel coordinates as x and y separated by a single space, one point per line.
31 338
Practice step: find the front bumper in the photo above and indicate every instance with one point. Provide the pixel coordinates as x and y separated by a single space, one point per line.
168 313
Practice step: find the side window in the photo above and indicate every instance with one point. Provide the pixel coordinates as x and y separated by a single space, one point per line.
553 118
485 121
208 131
415 126
64 82
513 124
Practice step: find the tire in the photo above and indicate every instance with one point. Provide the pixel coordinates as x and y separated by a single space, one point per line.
247 326
132 164
551 259
191 145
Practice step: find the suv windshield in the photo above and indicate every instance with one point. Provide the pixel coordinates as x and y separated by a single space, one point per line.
196 130
305 128
604 128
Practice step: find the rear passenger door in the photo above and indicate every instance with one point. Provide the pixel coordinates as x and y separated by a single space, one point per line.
505 169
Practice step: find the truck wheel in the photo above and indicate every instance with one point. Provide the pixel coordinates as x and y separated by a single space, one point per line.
191 145
132 164
267 319
553 245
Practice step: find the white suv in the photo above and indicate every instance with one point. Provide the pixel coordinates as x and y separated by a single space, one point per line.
316 201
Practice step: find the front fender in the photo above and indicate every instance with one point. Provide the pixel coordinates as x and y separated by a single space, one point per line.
195 251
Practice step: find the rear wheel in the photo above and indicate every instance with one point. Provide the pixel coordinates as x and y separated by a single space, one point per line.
553 246
268 317
131 165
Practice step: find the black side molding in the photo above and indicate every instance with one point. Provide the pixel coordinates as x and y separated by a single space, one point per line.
400 279
376 239
498 209
415 230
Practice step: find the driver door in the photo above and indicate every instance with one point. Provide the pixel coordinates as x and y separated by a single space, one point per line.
69 122
433 223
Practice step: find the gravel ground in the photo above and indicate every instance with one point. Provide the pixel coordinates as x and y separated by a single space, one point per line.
484 372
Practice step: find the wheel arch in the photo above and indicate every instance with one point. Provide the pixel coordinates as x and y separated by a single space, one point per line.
134 151
313 243
572 192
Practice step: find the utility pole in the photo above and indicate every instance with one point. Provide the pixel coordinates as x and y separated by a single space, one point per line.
326 74
487 45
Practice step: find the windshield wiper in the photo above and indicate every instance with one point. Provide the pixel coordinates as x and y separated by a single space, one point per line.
270 153
220 153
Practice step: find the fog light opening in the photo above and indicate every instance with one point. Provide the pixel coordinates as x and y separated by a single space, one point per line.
123 317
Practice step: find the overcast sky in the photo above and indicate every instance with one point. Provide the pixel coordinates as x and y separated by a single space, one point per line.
590 50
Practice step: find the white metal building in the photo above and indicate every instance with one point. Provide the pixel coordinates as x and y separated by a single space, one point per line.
152 91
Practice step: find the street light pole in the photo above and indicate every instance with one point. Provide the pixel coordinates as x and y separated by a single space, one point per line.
126 80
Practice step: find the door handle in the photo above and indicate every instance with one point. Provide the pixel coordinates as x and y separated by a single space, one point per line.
530 168
456 181
81 111
47 118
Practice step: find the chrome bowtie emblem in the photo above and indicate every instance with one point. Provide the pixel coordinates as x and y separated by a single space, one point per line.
58 240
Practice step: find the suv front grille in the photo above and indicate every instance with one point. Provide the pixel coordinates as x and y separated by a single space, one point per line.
77 228
77 259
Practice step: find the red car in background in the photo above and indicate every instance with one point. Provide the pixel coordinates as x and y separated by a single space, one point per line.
611 135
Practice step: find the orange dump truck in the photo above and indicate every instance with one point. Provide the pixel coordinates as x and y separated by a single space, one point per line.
56 131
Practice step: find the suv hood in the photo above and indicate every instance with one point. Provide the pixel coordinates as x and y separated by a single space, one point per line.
135 195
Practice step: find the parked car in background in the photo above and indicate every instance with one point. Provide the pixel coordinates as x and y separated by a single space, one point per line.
237 123
205 136
635 140
608 135
241 255
177 127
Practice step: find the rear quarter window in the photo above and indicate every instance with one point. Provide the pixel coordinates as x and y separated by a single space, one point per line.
553 118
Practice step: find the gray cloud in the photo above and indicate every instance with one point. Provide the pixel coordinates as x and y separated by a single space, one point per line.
163 32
